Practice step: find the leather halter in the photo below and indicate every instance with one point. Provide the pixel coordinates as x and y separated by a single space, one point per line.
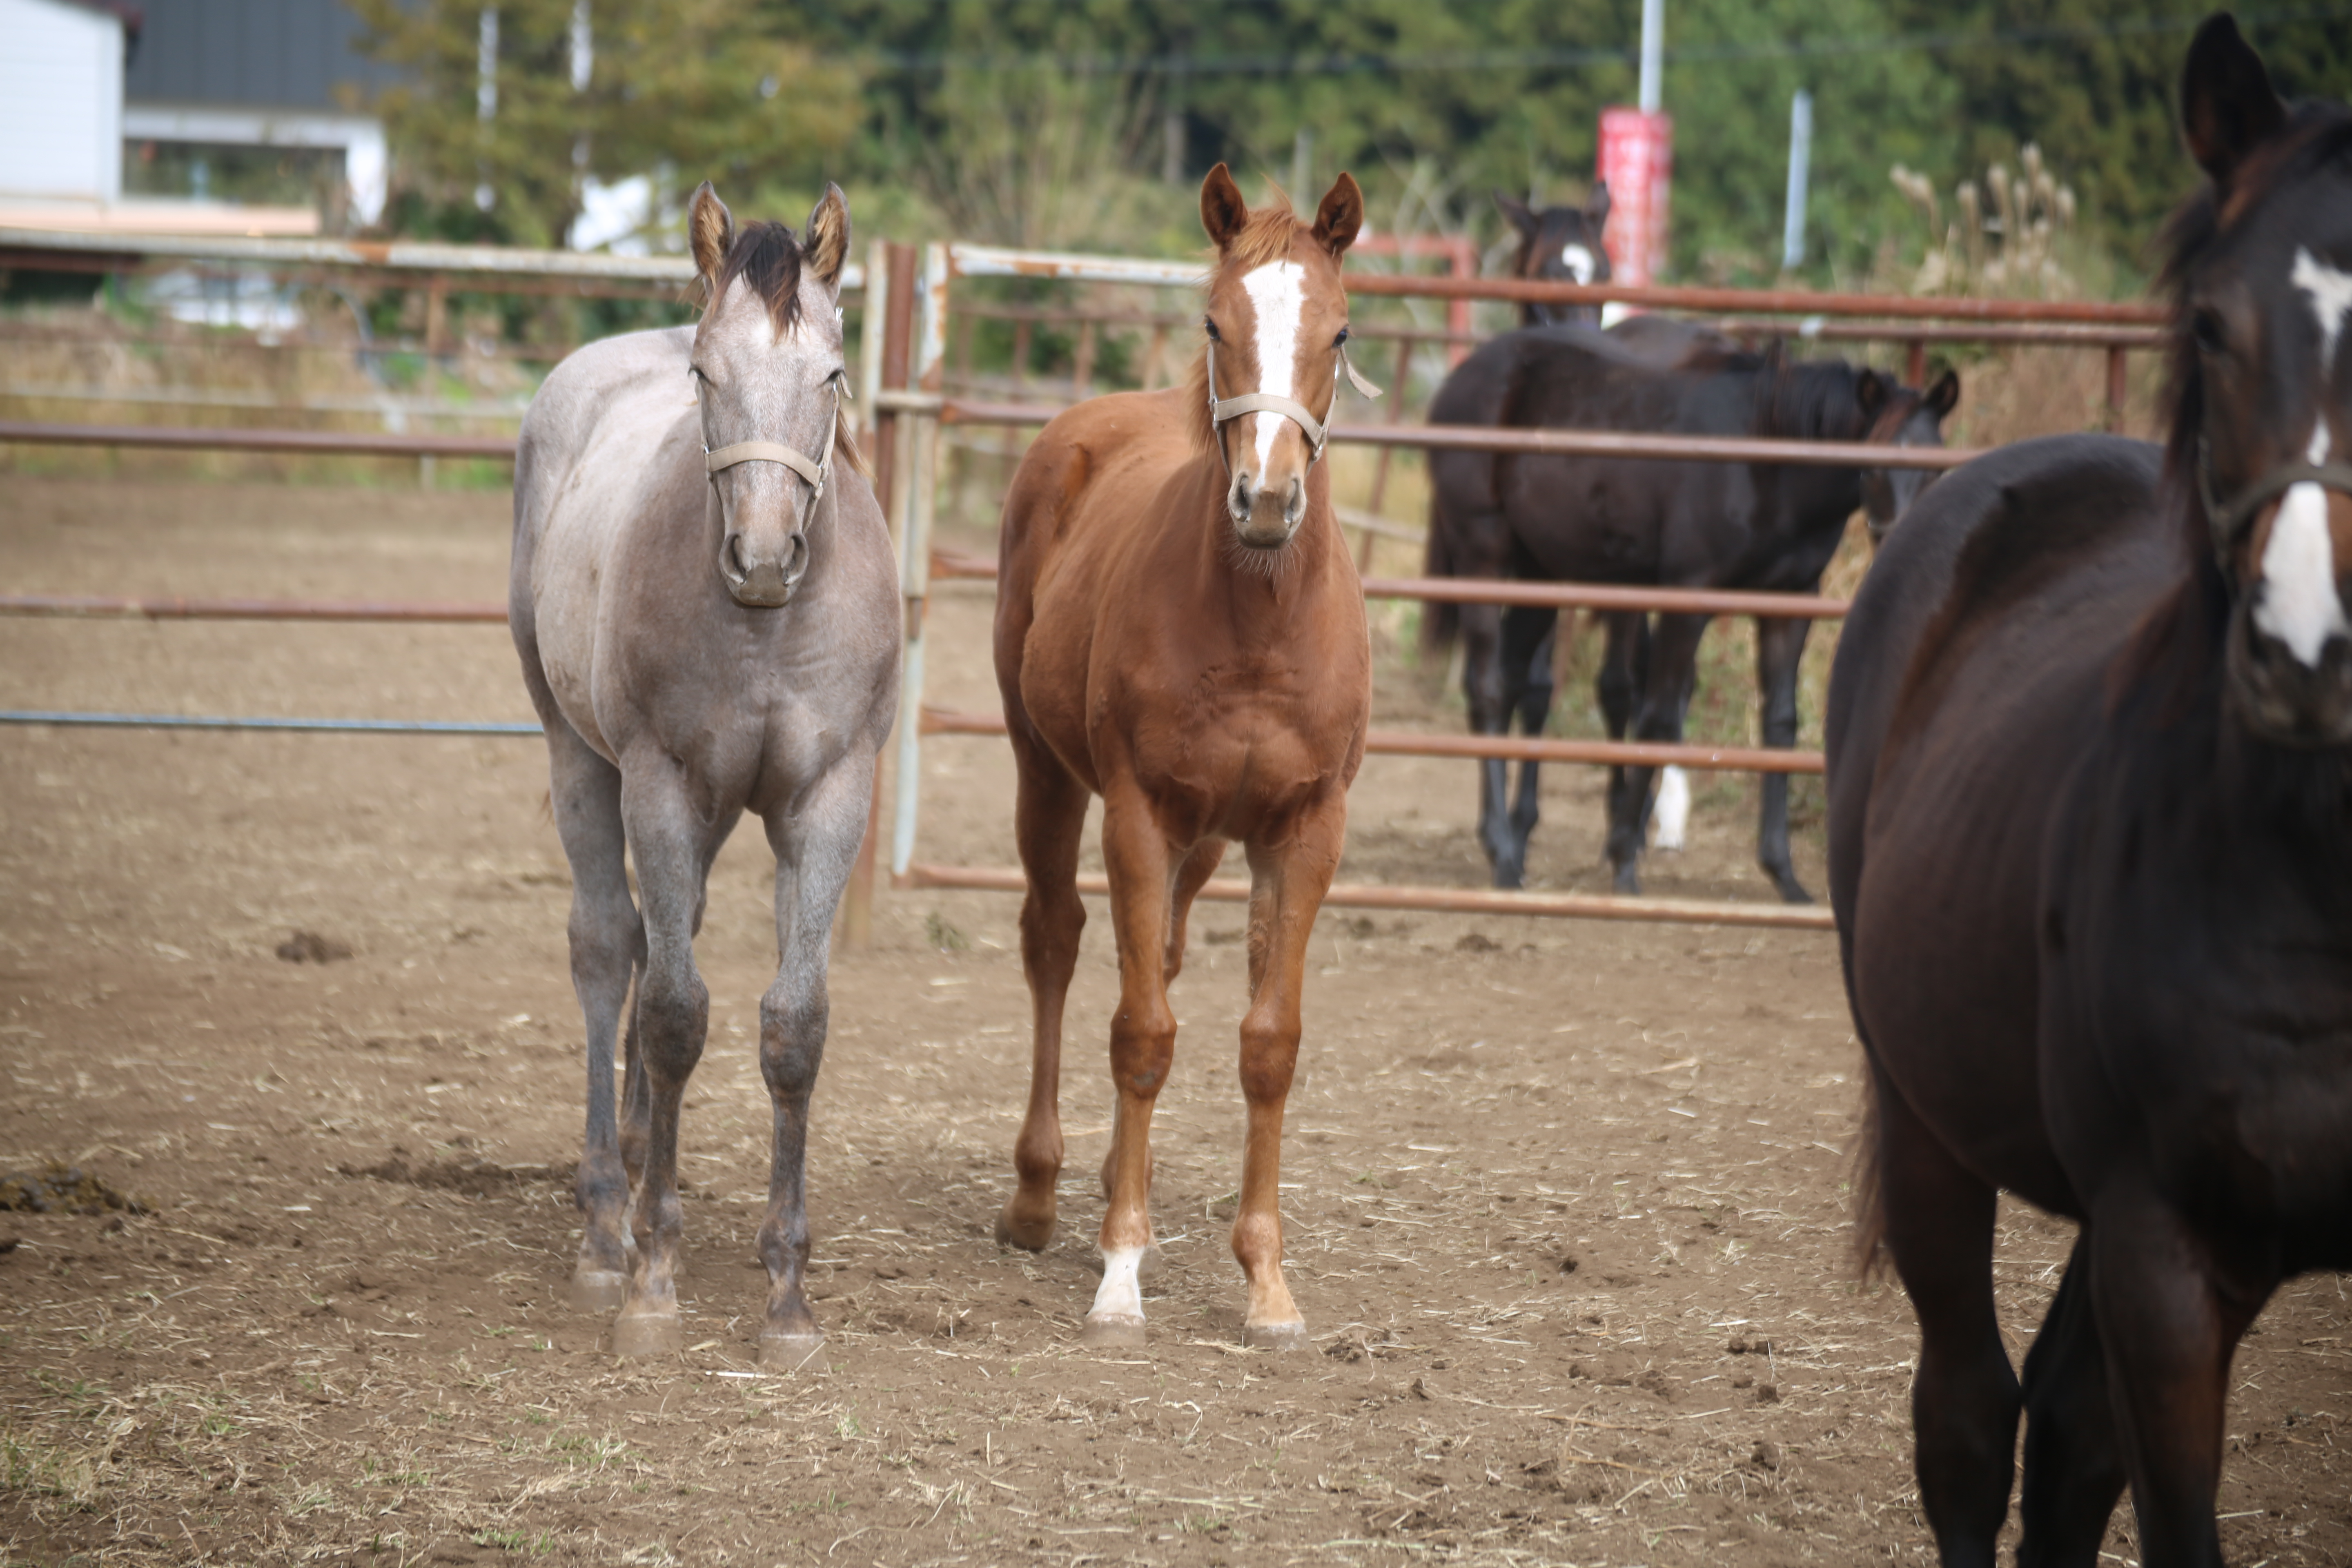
1222 409
816 473
2228 516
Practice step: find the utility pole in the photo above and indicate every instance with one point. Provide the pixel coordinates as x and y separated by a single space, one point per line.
1653 54
1801 158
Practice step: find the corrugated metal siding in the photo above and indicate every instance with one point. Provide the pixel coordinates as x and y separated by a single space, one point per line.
281 53
60 102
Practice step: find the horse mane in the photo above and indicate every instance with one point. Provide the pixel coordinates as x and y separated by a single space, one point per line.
767 257
1267 237
1811 400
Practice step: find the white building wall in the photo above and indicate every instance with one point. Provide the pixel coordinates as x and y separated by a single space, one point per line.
60 102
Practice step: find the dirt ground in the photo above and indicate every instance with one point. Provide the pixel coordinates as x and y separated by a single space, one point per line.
1567 1203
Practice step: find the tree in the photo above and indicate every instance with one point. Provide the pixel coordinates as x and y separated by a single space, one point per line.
691 88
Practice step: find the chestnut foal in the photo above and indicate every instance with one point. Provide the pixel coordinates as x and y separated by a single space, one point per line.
1180 629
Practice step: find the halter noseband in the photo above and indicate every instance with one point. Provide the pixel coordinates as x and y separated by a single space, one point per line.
815 473
2228 516
1222 409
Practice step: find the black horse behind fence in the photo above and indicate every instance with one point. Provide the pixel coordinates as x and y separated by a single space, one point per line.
1560 245
2090 752
1647 521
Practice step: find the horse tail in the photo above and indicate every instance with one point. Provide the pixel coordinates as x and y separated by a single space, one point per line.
1870 1259
1440 623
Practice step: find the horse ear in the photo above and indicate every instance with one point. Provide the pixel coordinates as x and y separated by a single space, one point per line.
1222 210
1521 218
1341 215
828 236
2228 107
711 234
1944 396
1596 207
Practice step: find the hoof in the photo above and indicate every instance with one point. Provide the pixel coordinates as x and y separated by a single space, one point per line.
1025 1231
1107 1332
794 1352
647 1334
1274 1336
598 1290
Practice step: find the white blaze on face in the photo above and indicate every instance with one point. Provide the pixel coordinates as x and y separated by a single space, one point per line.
1278 294
1120 1295
2331 297
1578 262
2299 603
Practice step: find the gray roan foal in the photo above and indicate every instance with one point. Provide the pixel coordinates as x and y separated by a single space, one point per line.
705 631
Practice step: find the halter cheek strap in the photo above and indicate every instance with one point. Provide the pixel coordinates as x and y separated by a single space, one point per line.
1222 409
815 473
2229 517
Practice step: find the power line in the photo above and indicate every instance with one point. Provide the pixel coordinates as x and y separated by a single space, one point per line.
1188 64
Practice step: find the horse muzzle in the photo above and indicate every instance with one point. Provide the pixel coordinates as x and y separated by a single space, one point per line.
762 572
2280 698
1264 518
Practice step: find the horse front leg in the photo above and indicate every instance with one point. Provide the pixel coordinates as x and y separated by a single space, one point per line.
1289 879
1048 820
1529 638
1136 854
606 942
1939 1226
816 847
672 850
1780 653
1482 690
2170 1316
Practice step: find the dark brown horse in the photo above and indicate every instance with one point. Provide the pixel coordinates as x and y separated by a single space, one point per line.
1560 245
1612 519
1180 629
2090 752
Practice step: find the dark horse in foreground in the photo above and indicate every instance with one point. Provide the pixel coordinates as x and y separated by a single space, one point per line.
2090 771
1647 521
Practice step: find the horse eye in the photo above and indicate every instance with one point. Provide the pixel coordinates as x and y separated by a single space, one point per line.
1211 322
1341 340
2205 326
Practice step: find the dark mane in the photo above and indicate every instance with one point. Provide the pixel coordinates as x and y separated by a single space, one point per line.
1811 401
767 257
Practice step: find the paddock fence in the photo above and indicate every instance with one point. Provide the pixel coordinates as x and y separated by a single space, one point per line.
904 345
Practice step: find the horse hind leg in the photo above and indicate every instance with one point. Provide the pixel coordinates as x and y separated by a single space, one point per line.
2073 1471
1049 819
1779 651
1937 1220
1529 639
1624 665
1191 877
1484 690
